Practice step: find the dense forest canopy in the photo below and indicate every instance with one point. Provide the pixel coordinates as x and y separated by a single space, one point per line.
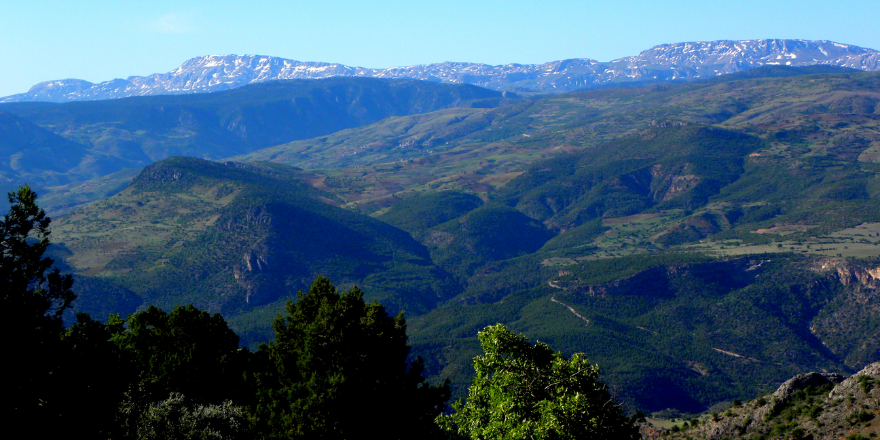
336 365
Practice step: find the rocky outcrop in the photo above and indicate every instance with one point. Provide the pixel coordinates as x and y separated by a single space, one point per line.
848 325
799 409
852 384
849 273
654 282
253 216
668 184
783 395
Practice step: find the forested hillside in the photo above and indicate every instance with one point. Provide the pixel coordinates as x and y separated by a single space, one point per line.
239 239
113 135
700 242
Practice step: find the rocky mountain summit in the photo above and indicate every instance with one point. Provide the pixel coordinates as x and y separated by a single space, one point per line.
808 406
679 61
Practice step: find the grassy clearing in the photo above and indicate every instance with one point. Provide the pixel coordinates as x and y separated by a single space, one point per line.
661 423
99 233
862 241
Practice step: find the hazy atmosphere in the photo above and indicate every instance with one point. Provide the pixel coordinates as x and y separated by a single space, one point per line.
98 41
440 221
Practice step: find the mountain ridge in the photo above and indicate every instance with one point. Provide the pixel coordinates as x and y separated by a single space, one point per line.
664 265
136 131
677 61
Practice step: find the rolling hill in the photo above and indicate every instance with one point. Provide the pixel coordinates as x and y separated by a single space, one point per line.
701 242
240 239
134 132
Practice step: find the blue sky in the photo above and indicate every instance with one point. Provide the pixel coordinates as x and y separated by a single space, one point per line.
102 40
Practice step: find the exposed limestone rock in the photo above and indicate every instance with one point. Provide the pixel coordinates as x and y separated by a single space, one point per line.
850 408
848 386
258 215
849 273
668 184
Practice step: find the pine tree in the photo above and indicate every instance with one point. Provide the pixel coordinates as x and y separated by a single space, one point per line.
33 297
339 370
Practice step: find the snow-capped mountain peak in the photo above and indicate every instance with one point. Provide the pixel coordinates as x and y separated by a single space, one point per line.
663 62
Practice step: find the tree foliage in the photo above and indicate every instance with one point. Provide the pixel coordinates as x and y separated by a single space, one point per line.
524 391
178 419
33 297
338 366
31 291
187 351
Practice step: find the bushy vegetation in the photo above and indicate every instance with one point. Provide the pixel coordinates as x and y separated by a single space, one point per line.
524 391
423 212
336 366
260 249
676 234
487 234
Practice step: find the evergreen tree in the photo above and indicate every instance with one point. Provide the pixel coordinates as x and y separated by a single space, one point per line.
339 370
187 351
33 297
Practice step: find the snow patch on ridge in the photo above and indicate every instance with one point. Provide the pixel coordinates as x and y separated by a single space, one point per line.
688 60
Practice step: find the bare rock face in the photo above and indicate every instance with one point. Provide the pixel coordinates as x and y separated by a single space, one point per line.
853 383
804 381
849 273
795 410
847 323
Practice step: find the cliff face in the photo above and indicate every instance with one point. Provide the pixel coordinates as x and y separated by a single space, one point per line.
816 406
848 323
843 323
230 237
850 274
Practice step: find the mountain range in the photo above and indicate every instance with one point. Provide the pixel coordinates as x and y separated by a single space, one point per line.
667 62
91 139
700 241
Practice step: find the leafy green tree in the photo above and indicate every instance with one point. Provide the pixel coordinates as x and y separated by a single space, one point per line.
524 391
338 369
33 297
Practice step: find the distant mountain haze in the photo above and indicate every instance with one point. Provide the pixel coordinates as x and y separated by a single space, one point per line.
94 138
701 242
679 61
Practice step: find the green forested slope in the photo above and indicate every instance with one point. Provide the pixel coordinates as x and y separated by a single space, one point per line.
29 153
700 242
241 239
669 331
134 132
832 112
221 124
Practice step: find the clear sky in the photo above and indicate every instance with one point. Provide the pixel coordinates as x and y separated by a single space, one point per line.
101 40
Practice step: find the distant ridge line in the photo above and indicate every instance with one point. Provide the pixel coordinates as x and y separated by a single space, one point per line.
677 61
